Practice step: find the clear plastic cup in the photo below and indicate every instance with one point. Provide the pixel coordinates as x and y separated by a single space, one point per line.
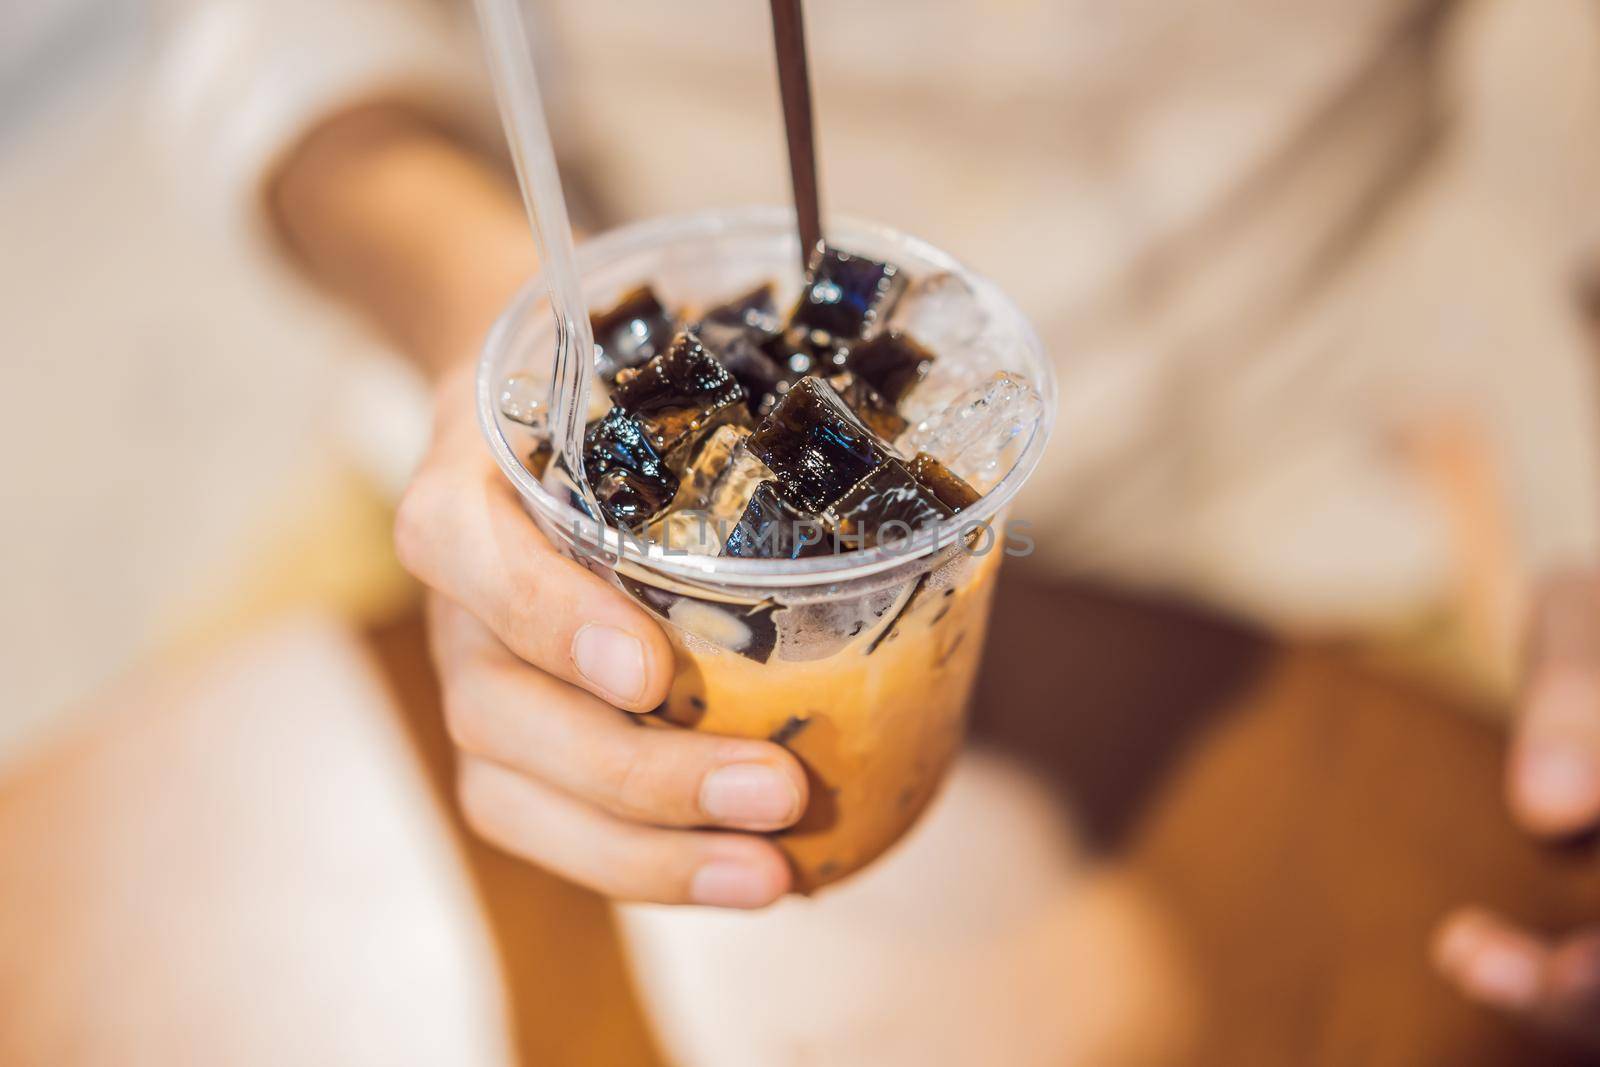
861 663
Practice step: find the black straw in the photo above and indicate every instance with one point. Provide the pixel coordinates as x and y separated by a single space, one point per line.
794 87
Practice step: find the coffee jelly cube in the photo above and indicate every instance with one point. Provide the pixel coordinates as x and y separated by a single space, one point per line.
679 397
887 495
869 404
773 528
738 343
816 445
630 480
756 309
892 362
633 332
942 482
845 294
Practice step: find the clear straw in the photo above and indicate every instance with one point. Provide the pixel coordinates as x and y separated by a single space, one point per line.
516 87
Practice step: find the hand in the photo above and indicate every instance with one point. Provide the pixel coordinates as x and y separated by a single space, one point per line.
1553 787
536 656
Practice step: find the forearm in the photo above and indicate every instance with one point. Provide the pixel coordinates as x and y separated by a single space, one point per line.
406 223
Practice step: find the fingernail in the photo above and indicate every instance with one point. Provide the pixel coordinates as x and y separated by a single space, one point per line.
750 794
723 884
611 659
1559 783
1504 976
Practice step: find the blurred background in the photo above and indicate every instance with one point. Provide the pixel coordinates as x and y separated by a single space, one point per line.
1319 277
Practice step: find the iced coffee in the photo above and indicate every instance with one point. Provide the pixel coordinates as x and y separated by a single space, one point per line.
794 488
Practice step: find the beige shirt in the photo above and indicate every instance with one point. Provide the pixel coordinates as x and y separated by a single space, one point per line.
1264 240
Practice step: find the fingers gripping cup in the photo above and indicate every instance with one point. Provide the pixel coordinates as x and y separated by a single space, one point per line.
819 532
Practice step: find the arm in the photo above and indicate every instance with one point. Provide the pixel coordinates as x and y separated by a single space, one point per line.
391 214
535 653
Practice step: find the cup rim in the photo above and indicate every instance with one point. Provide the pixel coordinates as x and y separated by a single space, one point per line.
759 573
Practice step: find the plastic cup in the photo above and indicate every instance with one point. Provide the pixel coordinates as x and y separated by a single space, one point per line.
862 663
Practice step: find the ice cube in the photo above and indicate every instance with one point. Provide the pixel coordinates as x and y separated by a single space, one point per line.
630 480
845 295
633 332
712 495
523 398
731 493
773 528
679 397
691 531
892 363
869 405
816 445
953 375
942 311
942 482
889 495
978 434
709 464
